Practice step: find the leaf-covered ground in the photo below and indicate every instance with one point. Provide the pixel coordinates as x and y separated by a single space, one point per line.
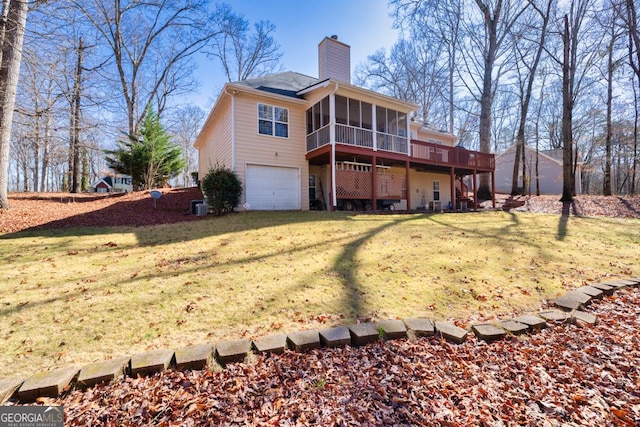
60 210
584 205
565 375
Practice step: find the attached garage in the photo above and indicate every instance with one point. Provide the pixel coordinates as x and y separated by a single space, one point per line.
272 188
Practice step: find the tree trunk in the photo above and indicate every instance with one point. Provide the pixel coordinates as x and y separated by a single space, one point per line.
632 191
486 97
76 177
11 38
567 113
606 185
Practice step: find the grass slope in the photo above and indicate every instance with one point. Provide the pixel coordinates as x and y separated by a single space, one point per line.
81 295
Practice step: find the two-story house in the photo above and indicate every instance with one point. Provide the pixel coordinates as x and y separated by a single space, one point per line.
299 142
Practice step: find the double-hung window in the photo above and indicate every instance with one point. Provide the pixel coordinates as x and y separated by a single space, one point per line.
273 121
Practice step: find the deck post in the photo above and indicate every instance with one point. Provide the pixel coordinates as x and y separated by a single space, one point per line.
408 185
475 190
332 164
453 189
493 188
374 183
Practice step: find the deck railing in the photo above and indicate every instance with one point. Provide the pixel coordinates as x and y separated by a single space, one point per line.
318 138
354 136
426 152
451 156
394 143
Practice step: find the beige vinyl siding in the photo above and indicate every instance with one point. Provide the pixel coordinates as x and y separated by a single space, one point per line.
549 173
256 149
422 188
216 137
334 60
430 135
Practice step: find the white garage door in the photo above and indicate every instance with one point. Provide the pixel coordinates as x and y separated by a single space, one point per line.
271 188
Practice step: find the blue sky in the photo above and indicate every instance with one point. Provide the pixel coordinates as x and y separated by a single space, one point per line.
365 25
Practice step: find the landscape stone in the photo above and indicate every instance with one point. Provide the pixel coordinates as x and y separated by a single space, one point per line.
420 327
8 387
393 329
232 351
591 291
194 357
274 343
628 282
487 332
555 315
618 284
102 372
607 289
46 384
584 317
514 327
572 300
636 280
151 362
364 333
304 340
335 337
534 322
451 332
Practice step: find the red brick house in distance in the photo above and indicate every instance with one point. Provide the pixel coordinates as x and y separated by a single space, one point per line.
299 142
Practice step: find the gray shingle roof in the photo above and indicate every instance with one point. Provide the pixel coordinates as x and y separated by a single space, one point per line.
287 83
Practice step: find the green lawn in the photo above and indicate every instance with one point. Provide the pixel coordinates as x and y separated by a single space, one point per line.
81 295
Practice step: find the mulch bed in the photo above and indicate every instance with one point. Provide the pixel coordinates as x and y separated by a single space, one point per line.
59 210
583 205
565 375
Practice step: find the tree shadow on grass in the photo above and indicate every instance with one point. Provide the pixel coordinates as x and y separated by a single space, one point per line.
568 209
123 213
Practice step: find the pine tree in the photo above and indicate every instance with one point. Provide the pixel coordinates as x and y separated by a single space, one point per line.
151 159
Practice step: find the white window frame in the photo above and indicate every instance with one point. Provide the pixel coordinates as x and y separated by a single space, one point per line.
273 118
436 189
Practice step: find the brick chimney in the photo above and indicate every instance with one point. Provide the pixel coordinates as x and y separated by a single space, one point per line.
334 60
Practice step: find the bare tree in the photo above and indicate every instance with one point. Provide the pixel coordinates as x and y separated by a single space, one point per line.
148 41
611 25
433 27
411 72
498 18
581 40
244 53
184 125
14 19
527 62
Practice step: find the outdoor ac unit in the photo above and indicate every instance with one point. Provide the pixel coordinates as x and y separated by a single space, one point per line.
202 209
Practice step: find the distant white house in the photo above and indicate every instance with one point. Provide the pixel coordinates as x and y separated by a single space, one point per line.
112 184
549 171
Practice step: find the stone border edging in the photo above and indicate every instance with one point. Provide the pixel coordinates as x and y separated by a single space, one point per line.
53 383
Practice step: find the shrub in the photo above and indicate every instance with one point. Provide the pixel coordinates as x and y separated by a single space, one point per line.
222 188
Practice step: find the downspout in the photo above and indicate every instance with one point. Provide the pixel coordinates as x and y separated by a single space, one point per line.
233 131
233 127
332 138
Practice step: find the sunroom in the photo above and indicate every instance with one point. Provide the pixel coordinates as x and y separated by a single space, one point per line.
368 157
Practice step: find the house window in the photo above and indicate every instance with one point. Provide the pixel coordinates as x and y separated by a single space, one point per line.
273 121
312 188
436 191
